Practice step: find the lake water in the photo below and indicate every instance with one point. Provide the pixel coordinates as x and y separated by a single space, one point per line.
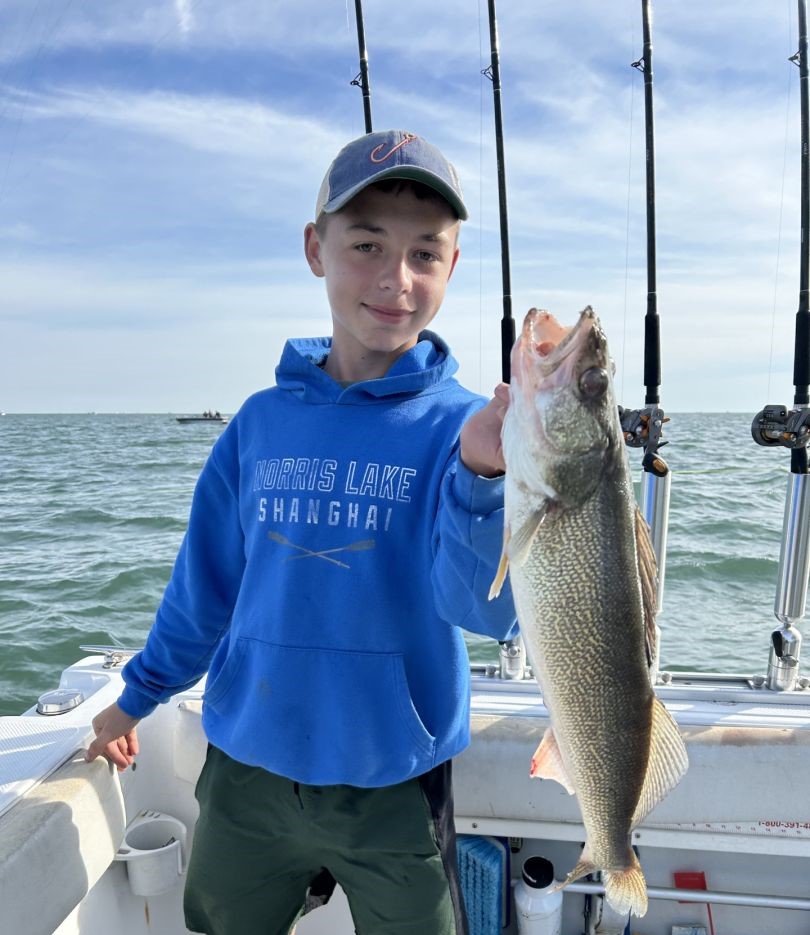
93 509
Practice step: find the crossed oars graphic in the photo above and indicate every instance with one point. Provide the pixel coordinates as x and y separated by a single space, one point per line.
360 546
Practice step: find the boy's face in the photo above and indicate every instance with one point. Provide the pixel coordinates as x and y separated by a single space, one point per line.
386 258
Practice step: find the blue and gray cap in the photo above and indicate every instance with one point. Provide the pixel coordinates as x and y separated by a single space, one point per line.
388 154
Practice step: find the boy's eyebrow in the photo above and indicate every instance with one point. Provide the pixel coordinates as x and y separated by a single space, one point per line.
432 237
366 226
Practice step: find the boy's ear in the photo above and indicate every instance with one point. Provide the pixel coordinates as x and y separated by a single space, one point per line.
312 249
456 255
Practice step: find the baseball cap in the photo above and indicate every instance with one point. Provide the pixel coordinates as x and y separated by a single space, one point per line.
388 154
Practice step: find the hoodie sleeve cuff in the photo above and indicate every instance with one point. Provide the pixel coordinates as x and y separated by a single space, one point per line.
135 703
476 494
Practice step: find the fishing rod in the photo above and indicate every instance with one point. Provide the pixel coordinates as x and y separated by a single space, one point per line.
777 426
643 427
361 79
512 652
652 336
493 72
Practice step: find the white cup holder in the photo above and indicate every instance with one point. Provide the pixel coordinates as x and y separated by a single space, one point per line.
154 852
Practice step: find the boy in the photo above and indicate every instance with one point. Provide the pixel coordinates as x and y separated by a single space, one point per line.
347 523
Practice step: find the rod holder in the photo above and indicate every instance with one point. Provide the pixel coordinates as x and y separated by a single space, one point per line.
791 586
794 558
512 659
783 661
655 510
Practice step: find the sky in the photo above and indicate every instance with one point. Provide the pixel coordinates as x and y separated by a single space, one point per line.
159 160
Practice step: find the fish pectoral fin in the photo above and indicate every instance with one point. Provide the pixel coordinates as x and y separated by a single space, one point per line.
648 574
626 889
521 542
547 762
667 763
503 568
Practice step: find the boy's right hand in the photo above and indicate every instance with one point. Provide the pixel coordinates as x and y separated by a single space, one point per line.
115 737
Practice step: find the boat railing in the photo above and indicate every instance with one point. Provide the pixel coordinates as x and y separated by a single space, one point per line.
506 672
706 896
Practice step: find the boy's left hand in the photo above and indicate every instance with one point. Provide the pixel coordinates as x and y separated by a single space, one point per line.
481 449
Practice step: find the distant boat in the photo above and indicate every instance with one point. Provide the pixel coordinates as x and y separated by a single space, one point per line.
204 417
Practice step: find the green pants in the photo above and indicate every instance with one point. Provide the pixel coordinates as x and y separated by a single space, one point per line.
262 839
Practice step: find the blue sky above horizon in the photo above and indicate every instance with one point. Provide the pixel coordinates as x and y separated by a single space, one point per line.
159 161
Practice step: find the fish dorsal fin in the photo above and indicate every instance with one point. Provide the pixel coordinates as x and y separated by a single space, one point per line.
547 762
648 574
667 764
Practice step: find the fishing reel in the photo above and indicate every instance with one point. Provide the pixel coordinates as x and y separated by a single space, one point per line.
777 425
642 428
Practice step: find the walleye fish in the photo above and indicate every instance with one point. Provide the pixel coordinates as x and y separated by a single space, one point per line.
582 570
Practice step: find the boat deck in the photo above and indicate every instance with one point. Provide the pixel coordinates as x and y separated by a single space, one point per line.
741 814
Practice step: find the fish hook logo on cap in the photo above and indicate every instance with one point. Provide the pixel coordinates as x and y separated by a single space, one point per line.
374 154
388 154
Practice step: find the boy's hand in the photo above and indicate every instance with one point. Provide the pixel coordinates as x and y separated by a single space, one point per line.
115 737
481 449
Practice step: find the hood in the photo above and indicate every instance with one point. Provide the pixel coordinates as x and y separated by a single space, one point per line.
421 369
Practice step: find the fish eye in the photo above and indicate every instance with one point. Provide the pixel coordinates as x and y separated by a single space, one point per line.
594 382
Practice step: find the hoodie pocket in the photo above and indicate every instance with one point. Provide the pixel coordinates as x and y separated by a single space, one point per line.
222 681
333 716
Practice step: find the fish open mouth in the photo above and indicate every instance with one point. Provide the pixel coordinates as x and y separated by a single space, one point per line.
551 341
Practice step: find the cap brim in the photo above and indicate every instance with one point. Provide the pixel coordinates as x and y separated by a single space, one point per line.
414 173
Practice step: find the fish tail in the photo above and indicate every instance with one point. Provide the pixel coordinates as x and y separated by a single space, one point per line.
626 889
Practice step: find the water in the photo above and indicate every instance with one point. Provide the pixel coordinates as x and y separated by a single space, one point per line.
93 509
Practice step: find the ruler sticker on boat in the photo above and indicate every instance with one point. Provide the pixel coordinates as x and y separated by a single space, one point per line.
784 829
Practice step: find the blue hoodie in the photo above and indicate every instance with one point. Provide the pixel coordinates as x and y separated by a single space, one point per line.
336 546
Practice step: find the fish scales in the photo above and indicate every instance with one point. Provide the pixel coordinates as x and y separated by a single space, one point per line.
600 709
572 545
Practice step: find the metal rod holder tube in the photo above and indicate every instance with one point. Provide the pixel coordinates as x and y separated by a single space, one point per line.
791 586
794 558
783 660
655 510
513 658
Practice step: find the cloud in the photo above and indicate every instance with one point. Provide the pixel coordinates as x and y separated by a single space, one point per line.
179 172
164 158
206 123
183 8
